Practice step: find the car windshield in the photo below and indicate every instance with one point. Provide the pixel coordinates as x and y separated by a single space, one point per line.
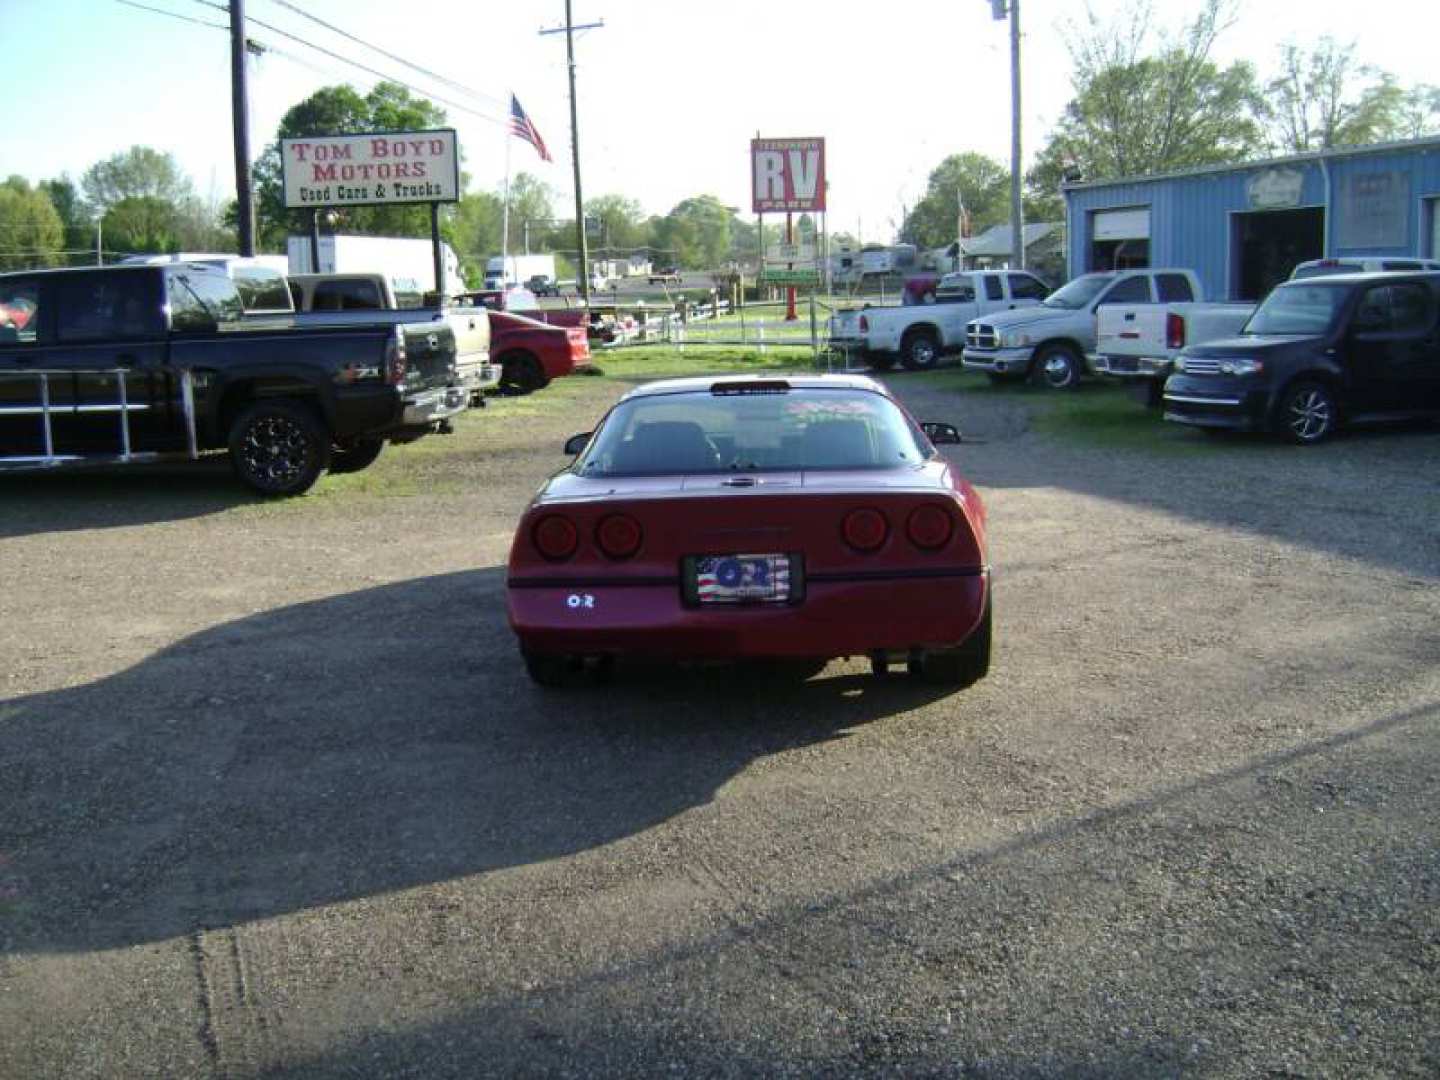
1078 293
1297 309
762 427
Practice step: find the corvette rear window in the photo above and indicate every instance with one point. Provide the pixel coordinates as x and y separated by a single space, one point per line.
705 433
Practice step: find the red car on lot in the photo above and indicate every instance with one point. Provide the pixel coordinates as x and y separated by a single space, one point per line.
799 518
530 353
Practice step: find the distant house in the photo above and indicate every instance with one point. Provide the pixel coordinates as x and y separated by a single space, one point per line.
992 249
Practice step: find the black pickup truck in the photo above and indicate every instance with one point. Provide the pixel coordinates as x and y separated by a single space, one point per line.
130 363
1316 354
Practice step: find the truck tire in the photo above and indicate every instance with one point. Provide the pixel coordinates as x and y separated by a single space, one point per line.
1059 367
278 447
920 350
355 455
521 373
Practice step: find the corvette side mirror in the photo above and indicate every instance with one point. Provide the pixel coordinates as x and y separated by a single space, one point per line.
940 433
575 443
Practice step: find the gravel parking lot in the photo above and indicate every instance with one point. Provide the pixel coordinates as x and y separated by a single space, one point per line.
277 798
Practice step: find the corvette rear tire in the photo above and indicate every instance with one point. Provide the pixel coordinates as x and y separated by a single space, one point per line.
962 666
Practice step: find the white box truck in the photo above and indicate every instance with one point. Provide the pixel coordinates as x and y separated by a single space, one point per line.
408 264
518 270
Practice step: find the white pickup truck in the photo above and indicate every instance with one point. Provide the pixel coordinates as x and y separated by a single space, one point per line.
322 299
917 335
1139 342
1055 341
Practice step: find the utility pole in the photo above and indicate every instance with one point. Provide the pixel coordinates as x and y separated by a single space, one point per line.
240 108
584 268
1017 211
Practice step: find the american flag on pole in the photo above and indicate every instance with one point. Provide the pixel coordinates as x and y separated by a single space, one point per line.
521 127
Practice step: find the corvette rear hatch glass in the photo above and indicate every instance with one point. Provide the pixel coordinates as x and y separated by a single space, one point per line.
773 429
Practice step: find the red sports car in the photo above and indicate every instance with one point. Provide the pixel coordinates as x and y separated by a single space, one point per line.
799 519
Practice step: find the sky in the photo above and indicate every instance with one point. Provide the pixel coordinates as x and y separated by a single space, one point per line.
670 91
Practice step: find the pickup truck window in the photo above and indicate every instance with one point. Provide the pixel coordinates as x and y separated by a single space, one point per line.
956 292
19 312
218 294
346 295
1135 290
187 313
99 307
993 288
1076 294
262 289
1025 287
1173 288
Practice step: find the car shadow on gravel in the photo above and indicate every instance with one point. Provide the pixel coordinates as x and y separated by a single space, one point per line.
352 746
117 497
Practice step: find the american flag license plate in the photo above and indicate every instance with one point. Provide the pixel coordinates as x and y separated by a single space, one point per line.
736 579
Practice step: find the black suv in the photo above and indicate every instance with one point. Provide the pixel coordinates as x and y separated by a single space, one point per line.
1318 353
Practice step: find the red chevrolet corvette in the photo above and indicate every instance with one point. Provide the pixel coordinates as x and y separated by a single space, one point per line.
799 519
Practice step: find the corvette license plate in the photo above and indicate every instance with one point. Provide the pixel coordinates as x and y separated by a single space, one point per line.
740 579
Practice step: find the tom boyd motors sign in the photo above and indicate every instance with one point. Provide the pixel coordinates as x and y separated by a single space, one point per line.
787 174
362 170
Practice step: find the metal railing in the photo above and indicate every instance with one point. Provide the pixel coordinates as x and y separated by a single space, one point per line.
47 410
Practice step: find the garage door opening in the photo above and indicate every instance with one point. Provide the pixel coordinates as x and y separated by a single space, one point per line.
1120 239
1268 244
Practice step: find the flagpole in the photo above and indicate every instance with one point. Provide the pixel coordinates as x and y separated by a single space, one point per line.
505 220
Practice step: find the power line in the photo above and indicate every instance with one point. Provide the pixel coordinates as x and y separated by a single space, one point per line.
478 94
174 14
369 70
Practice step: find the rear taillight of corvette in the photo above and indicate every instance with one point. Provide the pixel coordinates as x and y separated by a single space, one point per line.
930 527
618 536
555 537
865 529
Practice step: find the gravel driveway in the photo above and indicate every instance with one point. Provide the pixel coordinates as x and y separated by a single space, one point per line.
276 797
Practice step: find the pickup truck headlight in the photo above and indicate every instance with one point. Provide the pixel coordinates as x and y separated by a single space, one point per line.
1241 367
1010 339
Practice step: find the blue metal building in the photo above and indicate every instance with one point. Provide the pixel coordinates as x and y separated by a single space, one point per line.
1242 228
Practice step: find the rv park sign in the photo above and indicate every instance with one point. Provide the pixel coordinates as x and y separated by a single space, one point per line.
365 170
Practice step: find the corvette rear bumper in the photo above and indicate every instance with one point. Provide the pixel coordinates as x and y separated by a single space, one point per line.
848 616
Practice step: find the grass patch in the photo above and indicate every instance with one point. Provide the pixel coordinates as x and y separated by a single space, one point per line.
644 363
1101 415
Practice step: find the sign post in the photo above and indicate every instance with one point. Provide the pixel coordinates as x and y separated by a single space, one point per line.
379 168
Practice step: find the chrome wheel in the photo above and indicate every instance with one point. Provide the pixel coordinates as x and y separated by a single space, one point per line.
1308 413
921 352
1060 369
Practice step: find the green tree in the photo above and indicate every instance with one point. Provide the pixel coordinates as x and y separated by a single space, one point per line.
140 172
142 223
76 219
31 232
979 183
475 230
621 222
698 231
1324 96
341 110
532 201
1143 106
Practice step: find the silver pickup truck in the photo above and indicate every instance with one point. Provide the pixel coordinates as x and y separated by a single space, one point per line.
1054 341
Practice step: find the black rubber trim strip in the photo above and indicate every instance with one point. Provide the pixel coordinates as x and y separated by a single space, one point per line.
587 583
900 575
